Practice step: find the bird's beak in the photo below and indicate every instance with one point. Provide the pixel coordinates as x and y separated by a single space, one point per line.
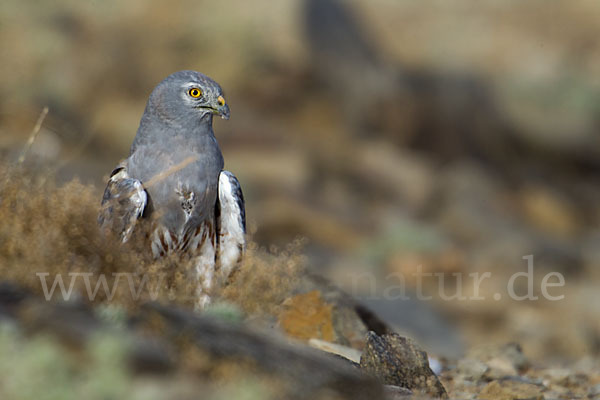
222 108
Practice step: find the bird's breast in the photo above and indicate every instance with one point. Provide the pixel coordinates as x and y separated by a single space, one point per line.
182 184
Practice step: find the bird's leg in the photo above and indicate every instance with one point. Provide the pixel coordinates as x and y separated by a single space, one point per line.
205 269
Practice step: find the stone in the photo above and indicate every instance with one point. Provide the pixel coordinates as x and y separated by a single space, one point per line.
511 390
392 392
507 359
334 348
472 370
500 367
399 361
165 340
306 370
306 316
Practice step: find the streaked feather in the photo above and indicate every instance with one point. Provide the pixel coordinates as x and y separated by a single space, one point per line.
123 203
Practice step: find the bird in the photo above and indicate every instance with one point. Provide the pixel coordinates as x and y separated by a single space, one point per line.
174 177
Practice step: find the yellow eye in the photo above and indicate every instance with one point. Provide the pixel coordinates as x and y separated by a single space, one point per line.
195 92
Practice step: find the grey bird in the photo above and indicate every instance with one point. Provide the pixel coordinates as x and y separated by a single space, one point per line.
174 177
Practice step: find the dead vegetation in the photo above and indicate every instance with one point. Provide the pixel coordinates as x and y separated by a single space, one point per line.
49 232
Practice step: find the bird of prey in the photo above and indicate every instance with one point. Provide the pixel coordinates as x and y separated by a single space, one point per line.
174 177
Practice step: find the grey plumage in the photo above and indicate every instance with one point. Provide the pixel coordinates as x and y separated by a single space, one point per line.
174 176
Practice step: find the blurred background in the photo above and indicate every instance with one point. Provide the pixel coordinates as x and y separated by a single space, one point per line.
453 137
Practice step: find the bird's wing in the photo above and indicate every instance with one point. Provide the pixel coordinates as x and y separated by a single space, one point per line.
123 203
231 223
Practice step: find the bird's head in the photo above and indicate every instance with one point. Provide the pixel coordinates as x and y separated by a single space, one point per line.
188 95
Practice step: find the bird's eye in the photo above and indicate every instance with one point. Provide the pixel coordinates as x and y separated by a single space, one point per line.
195 92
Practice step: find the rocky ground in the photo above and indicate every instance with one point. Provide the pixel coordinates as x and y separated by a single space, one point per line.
66 350
276 330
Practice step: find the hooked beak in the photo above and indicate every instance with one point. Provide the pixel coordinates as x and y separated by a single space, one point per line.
218 108
222 109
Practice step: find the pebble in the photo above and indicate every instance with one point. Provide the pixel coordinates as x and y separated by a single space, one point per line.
471 369
510 390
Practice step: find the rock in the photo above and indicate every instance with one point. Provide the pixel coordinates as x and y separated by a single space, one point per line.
151 357
511 390
557 374
500 367
72 322
574 381
75 324
301 369
399 361
351 318
396 392
334 348
165 340
471 370
307 316
507 359
11 296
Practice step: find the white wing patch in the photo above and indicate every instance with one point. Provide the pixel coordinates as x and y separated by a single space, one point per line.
231 223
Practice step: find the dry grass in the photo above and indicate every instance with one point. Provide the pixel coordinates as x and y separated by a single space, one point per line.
266 279
52 229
